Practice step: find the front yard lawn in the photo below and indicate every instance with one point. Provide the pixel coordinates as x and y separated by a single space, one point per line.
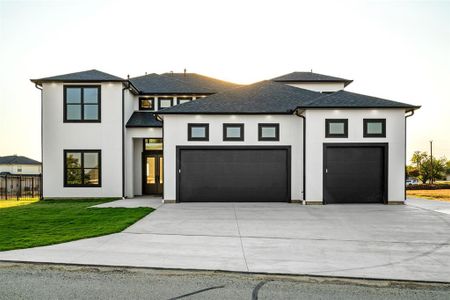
442 195
55 221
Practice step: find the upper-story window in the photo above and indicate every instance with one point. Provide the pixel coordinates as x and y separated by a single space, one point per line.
268 132
182 100
374 127
233 132
336 128
165 102
82 103
146 103
198 132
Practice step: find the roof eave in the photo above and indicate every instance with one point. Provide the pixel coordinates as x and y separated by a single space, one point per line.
226 113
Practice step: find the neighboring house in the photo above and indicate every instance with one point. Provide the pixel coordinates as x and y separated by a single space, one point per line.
295 138
19 165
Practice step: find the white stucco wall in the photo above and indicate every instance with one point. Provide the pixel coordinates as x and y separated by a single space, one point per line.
175 132
25 169
319 86
105 136
315 137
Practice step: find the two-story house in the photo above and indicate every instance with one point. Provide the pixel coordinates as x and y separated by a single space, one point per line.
299 137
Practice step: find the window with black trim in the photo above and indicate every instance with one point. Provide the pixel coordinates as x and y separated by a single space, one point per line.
374 127
82 103
268 132
336 128
165 102
233 132
82 168
198 132
182 100
146 103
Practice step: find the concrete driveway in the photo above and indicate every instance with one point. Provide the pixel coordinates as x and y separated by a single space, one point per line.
368 241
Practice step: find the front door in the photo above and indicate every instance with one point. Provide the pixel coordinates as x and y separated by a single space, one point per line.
152 173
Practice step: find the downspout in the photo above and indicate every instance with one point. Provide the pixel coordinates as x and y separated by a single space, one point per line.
406 155
304 153
41 185
127 87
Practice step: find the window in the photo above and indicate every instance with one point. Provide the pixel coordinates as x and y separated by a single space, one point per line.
374 128
82 168
182 100
233 132
165 102
336 128
153 144
82 103
268 132
19 169
198 132
146 103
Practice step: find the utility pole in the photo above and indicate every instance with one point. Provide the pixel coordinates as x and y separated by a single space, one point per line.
431 155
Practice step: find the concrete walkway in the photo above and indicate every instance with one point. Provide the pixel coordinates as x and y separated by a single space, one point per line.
366 241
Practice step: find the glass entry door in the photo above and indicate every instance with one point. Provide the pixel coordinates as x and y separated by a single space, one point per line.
152 173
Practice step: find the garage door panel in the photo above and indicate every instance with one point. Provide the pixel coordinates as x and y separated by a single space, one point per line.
354 174
209 175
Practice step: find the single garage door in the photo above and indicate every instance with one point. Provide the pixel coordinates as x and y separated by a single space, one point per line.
355 173
228 174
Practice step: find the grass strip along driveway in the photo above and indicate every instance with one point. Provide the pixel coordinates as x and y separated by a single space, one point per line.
56 221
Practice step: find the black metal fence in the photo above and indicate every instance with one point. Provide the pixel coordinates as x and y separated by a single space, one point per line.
20 187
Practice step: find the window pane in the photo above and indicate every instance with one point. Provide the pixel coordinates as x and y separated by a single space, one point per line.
374 127
181 101
153 144
198 132
268 132
336 128
73 112
233 132
73 95
73 160
151 166
91 176
90 160
146 104
165 103
73 176
90 95
91 112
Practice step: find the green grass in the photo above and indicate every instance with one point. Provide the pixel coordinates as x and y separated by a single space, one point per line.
55 221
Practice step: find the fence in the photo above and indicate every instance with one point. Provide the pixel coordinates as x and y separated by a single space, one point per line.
20 187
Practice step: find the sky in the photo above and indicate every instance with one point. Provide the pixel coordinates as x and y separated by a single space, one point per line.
398 50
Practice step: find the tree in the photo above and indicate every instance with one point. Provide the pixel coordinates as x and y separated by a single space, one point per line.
423 167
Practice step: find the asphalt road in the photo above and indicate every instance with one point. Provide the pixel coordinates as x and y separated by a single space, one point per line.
26 281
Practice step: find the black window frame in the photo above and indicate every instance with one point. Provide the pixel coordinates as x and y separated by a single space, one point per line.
82 104
152 99
82 151
184 98
233 139
204 125
144 144
335 135
164 98
277 132
374 135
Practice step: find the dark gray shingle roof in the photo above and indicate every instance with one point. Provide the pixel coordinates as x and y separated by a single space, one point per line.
260 97
277 98
213 84
17 160
84 76
143 119
344 99
309 77
175 84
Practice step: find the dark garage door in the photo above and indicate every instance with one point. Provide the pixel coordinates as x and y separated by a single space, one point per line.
354 174
233 175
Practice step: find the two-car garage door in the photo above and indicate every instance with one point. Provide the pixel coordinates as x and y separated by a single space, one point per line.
233 174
